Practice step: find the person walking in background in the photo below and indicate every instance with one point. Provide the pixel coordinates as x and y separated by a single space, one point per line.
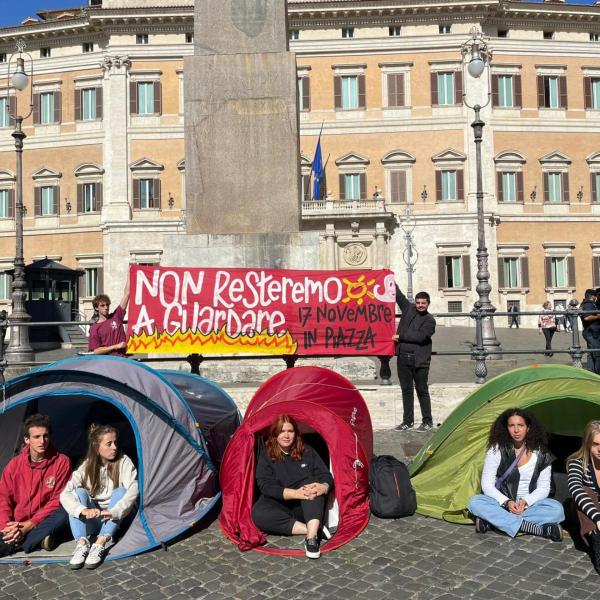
547 326
591 329
414 357
583 469
513 316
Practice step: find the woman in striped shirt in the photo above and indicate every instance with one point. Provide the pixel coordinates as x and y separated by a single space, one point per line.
584 486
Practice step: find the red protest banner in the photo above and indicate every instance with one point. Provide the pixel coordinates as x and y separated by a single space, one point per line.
261 311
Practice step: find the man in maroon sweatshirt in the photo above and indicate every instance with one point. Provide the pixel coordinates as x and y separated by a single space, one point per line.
31 483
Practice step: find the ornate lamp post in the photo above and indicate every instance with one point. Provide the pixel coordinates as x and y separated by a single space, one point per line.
478 55
408 222
19 349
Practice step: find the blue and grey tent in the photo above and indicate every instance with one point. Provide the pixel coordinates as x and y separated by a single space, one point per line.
159 430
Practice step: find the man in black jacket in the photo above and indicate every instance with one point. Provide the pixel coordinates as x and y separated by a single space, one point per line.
414 355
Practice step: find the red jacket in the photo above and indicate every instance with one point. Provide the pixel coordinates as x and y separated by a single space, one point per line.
30 491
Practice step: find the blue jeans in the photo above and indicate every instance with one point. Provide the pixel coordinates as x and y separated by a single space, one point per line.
543 511
85 528
592 337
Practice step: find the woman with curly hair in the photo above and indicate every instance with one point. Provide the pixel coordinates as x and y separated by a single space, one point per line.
101 492
516 480
583 468
294 483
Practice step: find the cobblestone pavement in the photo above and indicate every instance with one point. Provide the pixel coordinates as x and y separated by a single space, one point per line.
413 558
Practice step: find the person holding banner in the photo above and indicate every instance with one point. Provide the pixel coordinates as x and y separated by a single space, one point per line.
414 356
107 335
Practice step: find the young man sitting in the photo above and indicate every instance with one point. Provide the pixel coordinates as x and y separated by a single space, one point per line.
30 487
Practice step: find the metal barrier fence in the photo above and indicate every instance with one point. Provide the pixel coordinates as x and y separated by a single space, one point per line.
479 353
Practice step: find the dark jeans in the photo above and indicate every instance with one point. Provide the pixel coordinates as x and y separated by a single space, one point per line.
548 334
55 522
278 516
592 338
409 375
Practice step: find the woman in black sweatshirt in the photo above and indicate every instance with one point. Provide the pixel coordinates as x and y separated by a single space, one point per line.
294 483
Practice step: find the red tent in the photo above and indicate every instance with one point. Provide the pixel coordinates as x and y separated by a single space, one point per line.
328 404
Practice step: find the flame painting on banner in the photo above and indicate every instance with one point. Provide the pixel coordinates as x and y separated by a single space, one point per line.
261 311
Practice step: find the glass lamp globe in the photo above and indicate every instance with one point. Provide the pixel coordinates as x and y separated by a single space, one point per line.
20 80
476 66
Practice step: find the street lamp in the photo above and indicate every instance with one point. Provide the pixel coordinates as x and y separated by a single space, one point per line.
476 55
408 222
19 349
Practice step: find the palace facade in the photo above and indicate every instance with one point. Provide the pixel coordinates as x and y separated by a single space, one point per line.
104 165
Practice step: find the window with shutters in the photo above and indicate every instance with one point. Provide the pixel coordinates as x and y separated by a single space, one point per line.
349 92
454 271
552 91
89 188
88 199
294 34
145 104
5 286
147 194
445 89
506 98
558 271
87 47
5 120
88 104
348 32
554 190
591 92
595 179
141 38
352 186
47 201
510 187
146 184
304 93
511 272
47 108
594 37
559 265
395 31
145 94
91 282
398 176
596 270
45 52
395 89
449 186
6 204
444 29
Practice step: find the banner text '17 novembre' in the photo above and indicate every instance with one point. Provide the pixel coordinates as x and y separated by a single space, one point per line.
260 311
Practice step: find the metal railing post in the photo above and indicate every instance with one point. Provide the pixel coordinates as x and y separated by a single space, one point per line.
575 350
479 352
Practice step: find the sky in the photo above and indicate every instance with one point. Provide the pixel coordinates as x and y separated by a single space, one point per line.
12 12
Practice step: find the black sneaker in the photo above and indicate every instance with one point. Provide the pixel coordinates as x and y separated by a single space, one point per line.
48 543
424 427
595 543
481 525
312 547
552 531
404 426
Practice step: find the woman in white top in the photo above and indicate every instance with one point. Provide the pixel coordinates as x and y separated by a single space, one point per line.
101 492
516 480
547 326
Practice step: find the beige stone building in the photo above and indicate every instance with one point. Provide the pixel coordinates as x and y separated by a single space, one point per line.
104 164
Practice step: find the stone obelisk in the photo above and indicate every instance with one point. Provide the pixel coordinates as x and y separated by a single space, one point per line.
241 121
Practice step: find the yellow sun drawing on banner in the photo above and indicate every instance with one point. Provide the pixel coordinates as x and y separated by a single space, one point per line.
357 290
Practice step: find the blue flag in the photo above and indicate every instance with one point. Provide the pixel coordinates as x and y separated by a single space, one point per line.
317 169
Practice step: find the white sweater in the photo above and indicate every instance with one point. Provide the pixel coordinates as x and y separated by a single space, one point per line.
127 480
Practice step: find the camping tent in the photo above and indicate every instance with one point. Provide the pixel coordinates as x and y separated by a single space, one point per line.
323 402
178 483
215 411
447 471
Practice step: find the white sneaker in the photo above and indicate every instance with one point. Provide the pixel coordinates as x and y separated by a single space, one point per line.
79 556
95 557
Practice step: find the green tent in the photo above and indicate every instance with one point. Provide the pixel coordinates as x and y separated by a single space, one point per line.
447 471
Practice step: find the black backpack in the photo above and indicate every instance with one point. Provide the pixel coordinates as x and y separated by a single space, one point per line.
392 494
